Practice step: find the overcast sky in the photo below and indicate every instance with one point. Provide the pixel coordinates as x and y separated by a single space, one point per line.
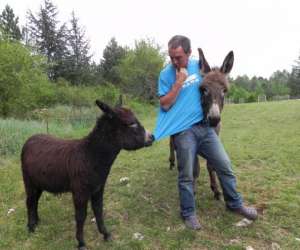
264 34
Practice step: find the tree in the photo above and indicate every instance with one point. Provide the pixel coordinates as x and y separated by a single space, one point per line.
112 55
59 66
279 82
9 24
280 76
23 83
238 93
243 81
78 58
49 40
140 68
294 80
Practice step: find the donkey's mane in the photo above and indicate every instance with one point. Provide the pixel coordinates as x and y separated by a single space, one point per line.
216 77
215 68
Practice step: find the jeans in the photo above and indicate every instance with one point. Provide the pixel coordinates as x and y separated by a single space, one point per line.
202 140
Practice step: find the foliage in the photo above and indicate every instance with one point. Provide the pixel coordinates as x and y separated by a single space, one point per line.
249 89
243 82
112 55
294 80
9 24
66 49
239 94
23 83
140 68
49 39
78 59
84 96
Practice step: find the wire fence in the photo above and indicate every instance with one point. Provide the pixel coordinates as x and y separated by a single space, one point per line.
74 116
62 122
262 98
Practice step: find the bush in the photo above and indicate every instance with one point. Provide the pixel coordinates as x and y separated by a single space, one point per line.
140 68
23 83
85 95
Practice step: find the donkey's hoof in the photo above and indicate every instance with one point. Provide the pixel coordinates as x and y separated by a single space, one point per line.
82 248
107 237
217 196
31 228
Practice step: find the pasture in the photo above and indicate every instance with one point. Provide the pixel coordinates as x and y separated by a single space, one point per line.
263 141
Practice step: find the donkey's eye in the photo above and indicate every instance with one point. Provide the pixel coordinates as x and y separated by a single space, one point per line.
204 91
133 125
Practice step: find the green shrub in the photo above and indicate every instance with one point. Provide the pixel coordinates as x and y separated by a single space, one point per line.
140 68
23 83
84 95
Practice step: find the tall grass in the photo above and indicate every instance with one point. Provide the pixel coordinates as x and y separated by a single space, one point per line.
263 141
64 121
13 133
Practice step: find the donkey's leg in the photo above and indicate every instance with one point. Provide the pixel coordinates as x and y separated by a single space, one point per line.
196 173
97 206
33 195
212 173
213 181
80 203
172 153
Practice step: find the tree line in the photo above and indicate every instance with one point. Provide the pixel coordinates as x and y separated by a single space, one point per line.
250 89
55 54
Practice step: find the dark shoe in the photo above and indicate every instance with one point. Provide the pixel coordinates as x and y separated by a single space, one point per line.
192 222
248 212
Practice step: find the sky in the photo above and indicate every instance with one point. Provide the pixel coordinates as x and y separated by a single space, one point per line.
263 34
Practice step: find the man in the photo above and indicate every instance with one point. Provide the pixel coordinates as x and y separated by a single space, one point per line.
181 115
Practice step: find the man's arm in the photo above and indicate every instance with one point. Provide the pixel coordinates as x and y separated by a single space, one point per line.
169 99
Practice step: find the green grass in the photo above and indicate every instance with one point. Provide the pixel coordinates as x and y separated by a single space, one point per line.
263 141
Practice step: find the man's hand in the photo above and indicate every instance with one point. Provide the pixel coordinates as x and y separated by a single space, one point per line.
167 101
181 75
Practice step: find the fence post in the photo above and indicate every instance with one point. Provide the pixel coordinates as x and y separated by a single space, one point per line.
47 125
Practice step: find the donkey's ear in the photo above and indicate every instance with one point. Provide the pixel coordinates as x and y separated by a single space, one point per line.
105 108
228 63
203 64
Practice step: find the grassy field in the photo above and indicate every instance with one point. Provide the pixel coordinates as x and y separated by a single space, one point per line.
263 141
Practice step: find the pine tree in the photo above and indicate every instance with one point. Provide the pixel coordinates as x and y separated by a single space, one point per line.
48 39
9 24
62 53
79 57
294 81
112 55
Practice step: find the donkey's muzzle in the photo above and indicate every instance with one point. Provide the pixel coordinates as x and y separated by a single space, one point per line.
149 139
213 121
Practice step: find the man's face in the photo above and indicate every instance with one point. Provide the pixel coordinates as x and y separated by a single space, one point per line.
179 58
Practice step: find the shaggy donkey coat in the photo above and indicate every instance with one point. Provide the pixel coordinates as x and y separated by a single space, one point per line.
79 166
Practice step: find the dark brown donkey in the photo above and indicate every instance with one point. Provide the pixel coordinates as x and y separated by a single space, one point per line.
213 89
80 166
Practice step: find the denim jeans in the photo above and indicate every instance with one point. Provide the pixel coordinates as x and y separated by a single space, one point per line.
202 140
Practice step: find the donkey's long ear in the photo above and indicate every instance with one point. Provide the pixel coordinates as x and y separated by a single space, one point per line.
105 108
203 64
228 63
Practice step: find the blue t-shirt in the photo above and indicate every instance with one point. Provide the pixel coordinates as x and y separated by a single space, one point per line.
187 109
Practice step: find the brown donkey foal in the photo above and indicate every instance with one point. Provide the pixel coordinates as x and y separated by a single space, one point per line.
213 89
79 166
